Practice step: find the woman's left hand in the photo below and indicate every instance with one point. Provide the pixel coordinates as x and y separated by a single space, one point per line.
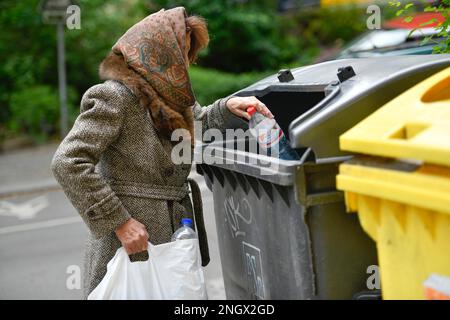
239 105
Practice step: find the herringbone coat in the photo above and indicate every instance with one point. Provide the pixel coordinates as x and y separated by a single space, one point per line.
114 165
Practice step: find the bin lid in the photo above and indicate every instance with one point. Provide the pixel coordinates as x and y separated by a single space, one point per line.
377 81
414 125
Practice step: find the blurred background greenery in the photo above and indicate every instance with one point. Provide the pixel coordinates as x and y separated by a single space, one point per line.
249 40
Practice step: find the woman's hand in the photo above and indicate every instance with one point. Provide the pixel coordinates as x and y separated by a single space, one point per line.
239 105
133 235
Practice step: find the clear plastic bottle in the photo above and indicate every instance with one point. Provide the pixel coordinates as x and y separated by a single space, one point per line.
270 136
185 231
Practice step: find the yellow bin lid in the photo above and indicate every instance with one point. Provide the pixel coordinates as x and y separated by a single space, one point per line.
415 125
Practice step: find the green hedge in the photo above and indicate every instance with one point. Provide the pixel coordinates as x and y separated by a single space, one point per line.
210 85
34 111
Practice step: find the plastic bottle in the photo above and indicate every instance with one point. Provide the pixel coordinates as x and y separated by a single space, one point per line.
270 136
185 231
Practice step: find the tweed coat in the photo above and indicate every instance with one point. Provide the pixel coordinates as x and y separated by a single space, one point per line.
114 165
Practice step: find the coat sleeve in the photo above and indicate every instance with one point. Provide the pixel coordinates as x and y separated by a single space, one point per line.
218 116
73 165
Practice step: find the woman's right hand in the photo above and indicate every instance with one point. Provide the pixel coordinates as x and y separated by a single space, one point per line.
133 235
239 106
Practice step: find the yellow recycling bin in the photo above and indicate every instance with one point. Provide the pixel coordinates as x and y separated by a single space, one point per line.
402 190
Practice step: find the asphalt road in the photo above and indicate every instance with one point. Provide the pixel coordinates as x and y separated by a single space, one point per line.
42 242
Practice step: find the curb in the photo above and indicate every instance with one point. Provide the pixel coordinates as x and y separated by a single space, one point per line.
29 188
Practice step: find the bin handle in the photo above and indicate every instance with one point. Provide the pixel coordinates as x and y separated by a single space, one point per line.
439 91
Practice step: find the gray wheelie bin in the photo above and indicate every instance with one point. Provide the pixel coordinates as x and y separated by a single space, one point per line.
282 226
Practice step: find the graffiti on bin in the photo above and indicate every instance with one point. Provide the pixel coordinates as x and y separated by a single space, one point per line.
237 213
252 259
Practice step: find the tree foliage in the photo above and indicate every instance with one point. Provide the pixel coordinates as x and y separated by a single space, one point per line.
442 29
248 37
245 35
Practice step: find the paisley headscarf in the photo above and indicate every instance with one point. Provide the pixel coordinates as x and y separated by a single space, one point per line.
155 51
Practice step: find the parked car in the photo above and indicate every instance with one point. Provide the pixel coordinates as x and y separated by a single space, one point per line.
395 38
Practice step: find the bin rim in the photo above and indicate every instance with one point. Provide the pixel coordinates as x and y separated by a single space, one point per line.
240 162
255 165
423 186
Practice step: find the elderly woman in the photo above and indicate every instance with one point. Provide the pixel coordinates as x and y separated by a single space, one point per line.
125 124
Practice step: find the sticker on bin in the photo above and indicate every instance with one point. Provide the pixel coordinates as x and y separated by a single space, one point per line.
252 258
437 287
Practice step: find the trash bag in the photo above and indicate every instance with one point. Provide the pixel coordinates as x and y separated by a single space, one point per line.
173 271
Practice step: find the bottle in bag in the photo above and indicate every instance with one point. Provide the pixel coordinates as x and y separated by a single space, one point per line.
185 231
269 136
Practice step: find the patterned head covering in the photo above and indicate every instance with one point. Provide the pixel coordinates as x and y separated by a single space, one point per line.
155 49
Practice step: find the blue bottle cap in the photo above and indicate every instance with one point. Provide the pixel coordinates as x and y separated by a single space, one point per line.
186 222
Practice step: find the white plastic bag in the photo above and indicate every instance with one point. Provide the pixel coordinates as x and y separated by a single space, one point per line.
173 271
